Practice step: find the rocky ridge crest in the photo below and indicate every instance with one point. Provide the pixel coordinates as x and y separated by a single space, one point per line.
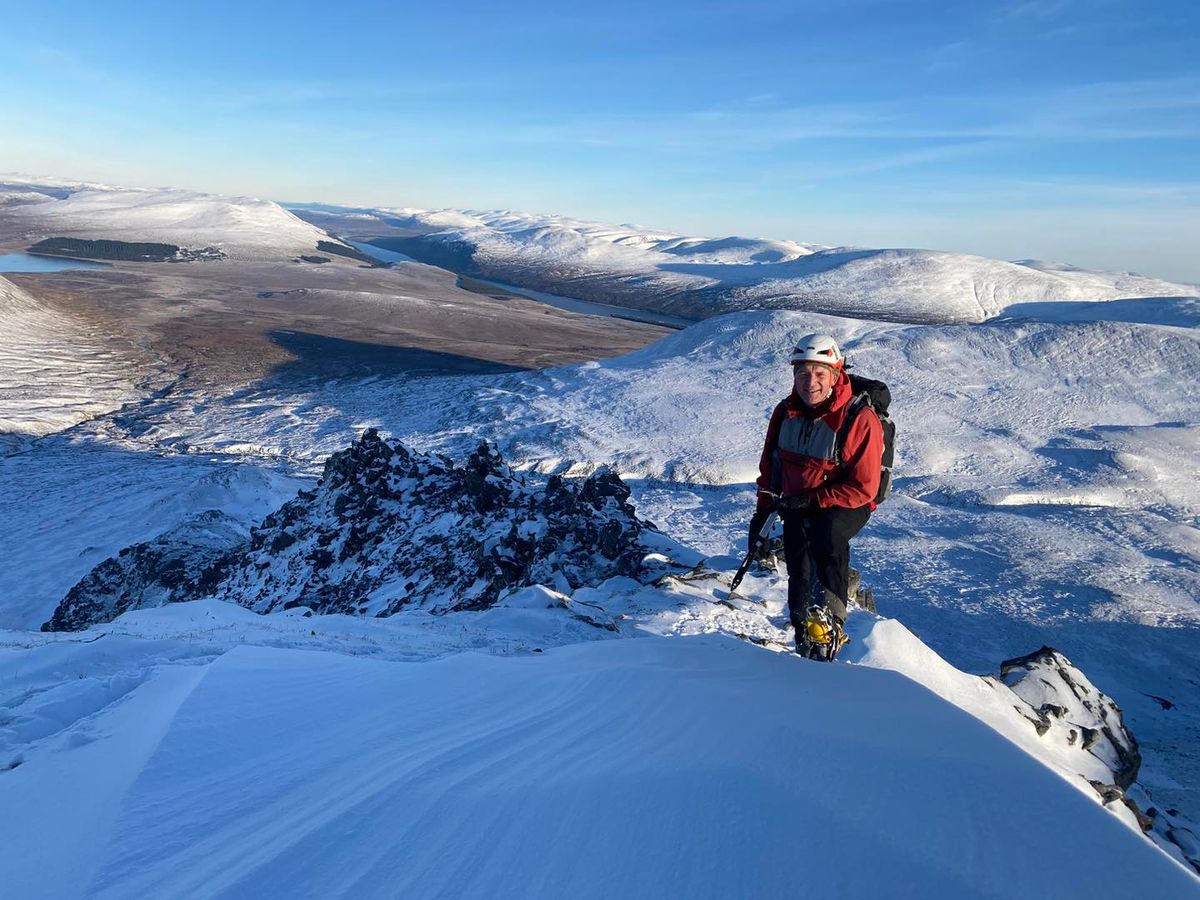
385 528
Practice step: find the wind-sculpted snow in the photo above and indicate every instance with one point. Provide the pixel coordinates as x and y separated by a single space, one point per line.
385 528
213 757
241 227
699 277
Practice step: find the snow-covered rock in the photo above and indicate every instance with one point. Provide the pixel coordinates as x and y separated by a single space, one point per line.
1046 705
1069 705
385 528
1065 708
173 565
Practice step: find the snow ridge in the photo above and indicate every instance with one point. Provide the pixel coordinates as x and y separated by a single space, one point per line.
698 276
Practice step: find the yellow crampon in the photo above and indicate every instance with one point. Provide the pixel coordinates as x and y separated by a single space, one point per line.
819 632
823 635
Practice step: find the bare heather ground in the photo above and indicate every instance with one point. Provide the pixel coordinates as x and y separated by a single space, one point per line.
226 324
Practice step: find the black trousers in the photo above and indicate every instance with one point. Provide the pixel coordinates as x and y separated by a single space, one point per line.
818 542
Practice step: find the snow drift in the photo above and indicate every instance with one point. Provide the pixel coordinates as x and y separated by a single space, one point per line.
699 767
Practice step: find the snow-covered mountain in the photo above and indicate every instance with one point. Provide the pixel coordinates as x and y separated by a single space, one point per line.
386 530
241 228
698 277
998 503
1046 495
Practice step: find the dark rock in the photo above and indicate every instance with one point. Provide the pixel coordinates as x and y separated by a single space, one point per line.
179 562
1108 792
384 529
1144 821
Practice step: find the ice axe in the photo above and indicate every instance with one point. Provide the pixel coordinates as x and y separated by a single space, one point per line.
758 538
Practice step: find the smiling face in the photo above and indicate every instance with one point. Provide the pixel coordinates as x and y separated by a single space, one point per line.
814 382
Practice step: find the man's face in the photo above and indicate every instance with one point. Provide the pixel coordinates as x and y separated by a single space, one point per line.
814 382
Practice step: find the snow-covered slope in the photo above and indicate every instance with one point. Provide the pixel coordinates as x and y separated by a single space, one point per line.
643 768
241 227
55 370
1046 484
699 277
1018 408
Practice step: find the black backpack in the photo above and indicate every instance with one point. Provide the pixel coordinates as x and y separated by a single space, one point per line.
876 395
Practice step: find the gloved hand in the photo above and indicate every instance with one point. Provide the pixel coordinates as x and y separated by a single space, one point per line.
756 523
802 503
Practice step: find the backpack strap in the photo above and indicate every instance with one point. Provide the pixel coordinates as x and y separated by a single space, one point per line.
776 460
855 406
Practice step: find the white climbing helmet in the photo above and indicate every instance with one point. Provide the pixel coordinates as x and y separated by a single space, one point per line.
818 348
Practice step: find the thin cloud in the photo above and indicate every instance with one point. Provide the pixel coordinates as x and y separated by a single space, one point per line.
1047 193
890 161
55 63
1040 10
1100 112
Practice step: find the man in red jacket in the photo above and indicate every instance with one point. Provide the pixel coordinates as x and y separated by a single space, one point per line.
823 476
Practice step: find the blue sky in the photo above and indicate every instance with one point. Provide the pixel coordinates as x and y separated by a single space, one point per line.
1055 129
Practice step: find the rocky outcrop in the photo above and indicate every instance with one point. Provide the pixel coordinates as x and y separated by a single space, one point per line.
384 529
1060 694
174 565
1065 707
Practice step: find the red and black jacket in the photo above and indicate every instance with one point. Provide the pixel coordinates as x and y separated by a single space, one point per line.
802 456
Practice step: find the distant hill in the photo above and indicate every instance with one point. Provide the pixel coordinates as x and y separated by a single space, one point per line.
698 277
242 228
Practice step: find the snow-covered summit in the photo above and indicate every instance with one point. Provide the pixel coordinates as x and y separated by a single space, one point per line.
562 233
241 227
